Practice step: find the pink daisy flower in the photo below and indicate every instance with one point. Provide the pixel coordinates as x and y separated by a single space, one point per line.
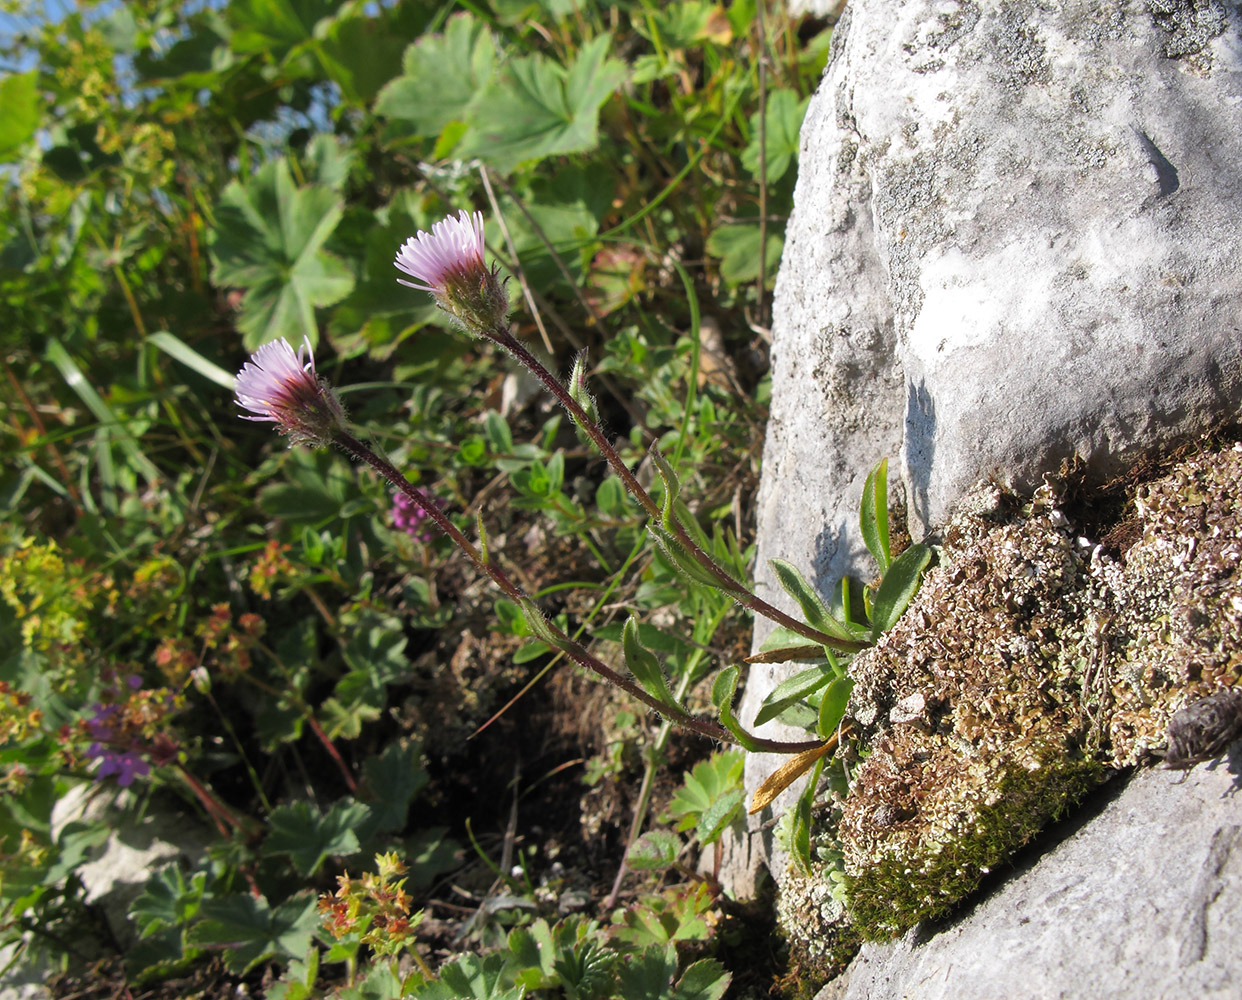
453 247
281 387
448 263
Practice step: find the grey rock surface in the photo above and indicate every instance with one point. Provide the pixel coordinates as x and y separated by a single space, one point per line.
118 869
1016 238
1144 900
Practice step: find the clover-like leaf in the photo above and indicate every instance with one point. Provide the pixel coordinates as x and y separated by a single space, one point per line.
275 27
706 979
647 976
737 246
712 779
655 850
472 978
268 239
443 76
252 931
781 135
392 779
168 900
309 837
536 108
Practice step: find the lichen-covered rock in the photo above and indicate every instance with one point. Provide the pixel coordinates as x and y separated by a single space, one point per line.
1034 662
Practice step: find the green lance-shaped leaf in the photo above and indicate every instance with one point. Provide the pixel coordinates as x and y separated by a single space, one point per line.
643 664
682 561
873 516
540 627
800 827
832 705
723 690
801 685
813 608
672 486
581 394
899 585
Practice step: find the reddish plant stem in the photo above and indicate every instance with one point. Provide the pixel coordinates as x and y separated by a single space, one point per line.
218 810
744 597
576 652
332 751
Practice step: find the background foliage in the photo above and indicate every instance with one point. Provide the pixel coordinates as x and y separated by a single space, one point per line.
240 634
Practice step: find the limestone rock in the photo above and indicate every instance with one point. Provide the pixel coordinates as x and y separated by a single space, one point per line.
119 868
1015 240
1144 900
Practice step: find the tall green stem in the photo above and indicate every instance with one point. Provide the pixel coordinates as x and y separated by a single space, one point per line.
502 338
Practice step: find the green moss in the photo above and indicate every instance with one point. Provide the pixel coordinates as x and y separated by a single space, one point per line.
970 829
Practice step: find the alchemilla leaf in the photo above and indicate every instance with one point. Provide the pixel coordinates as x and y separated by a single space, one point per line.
535 108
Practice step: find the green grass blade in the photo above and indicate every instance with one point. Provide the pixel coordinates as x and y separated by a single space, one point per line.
181 351
113 426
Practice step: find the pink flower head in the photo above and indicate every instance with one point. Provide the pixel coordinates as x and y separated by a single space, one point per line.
408 516
448 263
277 385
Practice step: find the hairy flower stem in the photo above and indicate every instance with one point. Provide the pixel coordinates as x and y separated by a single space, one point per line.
578 653
502 338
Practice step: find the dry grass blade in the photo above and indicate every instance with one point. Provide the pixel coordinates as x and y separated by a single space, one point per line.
787 774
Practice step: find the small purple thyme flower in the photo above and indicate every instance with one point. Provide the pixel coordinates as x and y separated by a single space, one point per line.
127 763
408 516
448 263
279 386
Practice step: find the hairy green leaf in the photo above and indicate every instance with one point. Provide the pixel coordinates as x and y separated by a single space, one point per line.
814 610
655 850
643 664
